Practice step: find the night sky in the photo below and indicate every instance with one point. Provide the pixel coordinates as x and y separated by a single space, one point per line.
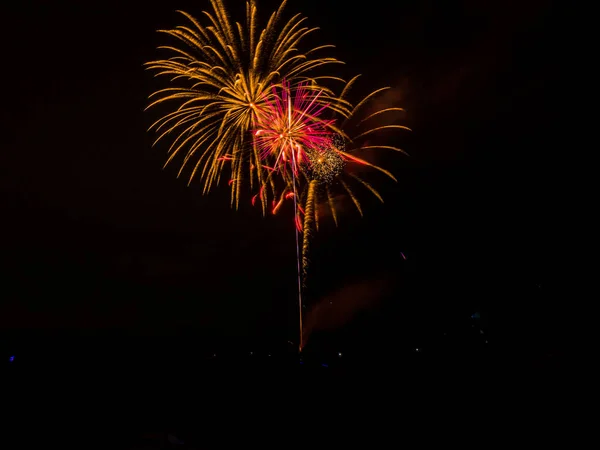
97 236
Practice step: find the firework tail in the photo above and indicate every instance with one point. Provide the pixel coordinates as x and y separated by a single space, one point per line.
300 342
309 214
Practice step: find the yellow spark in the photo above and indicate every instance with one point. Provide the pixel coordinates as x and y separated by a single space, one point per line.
221 76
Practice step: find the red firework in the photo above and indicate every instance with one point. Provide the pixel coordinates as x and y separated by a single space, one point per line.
290 126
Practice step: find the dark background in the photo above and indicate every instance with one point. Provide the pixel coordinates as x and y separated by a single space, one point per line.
102 249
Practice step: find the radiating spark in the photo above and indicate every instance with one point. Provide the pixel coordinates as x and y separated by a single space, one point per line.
247 102
326 163
221 74
291 127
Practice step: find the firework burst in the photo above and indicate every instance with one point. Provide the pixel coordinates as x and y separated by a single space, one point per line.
359 134
227 110
291 128
221 78
326 163
297 137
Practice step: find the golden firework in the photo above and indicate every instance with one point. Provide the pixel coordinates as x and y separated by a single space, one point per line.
334 168
354 128
221 76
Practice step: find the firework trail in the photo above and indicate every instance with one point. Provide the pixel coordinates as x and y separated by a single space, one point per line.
308 220
300 313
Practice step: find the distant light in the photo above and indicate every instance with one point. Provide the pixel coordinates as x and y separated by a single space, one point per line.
404 257
324 365
251 353
340 354
11 359
417 350
486 342
268 355
476 316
